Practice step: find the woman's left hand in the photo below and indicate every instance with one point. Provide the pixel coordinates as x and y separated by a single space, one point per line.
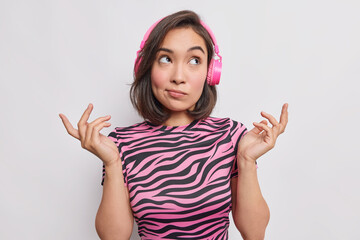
262 137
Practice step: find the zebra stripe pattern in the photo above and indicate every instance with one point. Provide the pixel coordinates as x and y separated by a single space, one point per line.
179 177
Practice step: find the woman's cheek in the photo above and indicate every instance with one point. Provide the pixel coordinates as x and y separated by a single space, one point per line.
199 81
157 78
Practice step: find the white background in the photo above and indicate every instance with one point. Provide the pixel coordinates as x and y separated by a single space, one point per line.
58 56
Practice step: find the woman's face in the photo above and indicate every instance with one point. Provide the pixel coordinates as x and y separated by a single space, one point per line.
179 71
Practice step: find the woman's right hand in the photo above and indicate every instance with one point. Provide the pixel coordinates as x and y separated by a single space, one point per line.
90 137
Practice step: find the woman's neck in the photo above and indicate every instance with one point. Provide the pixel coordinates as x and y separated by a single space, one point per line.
179 119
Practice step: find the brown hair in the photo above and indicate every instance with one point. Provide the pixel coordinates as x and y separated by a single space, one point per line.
141 94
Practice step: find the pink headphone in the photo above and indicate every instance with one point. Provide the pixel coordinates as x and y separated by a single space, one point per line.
214 72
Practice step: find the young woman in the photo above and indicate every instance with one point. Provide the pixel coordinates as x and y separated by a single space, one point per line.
180 172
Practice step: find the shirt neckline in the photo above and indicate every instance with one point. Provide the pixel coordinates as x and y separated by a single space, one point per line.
173 128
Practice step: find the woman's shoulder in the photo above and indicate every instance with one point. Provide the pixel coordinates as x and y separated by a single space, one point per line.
129 130
221 121
215 124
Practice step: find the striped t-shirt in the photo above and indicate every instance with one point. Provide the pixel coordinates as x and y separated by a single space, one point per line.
179 177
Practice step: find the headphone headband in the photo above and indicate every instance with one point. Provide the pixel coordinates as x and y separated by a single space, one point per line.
215 65
146 36
148 32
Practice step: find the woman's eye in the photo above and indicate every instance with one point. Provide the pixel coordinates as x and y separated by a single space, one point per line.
194 61
164 59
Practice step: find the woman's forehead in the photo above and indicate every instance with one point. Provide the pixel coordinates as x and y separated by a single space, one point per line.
183 39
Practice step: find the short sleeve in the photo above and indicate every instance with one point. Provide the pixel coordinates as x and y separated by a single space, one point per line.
237 131
114 136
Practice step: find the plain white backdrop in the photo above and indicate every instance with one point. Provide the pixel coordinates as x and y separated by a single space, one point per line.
59 56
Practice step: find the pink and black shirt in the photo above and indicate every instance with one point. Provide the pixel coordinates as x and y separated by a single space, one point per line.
179 177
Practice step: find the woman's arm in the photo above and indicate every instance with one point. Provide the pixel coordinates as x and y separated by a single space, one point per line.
249 209
114 219
250 212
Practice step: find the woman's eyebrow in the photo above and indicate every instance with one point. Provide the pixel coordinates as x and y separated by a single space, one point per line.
196 48
165 50
190 49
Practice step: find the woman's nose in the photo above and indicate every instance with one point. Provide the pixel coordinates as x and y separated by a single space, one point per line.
178 76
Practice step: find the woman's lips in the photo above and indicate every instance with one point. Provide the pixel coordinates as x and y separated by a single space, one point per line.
176 93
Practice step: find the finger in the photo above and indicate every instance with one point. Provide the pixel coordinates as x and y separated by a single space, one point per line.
264 122
266 128
69 128
271 119
284 117
97 129
100 119
85 117
259 130
91 126
83 120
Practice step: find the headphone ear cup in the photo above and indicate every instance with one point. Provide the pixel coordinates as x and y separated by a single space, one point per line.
214 72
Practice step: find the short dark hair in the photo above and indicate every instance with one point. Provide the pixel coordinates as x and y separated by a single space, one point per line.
141 94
